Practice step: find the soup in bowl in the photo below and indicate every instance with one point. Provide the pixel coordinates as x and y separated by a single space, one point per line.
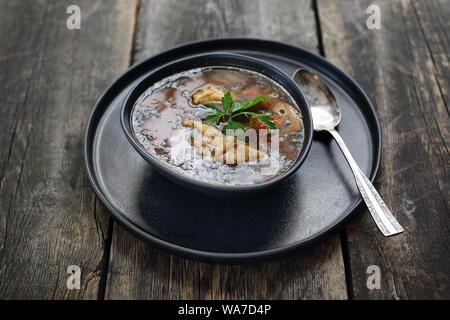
219 123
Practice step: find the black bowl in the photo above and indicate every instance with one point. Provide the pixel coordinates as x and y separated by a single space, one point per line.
217 60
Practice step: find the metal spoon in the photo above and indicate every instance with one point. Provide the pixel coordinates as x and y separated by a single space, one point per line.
326 115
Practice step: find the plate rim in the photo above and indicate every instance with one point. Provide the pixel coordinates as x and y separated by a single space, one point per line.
224 257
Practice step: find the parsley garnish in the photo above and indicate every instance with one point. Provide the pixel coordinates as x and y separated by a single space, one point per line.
232 109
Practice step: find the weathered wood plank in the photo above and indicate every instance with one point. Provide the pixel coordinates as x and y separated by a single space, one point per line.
137 270
434 25
51 77
404 68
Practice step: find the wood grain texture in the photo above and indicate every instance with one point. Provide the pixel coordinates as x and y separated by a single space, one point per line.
138 271
50 78
404 68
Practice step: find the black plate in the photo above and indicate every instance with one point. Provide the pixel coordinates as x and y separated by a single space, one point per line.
313 202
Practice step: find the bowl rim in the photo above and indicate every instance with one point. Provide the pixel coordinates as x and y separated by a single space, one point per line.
128 103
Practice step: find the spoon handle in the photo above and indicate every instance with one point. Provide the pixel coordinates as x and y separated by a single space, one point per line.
383 217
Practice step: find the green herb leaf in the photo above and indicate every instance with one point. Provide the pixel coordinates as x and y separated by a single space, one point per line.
237 105
227 102
238 129
266 119
215 117
233 125
257 100
212 118
213 106
234 109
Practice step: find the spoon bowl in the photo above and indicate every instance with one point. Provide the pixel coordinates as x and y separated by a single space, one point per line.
324 107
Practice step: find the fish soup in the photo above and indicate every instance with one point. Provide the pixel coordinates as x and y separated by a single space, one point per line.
200 123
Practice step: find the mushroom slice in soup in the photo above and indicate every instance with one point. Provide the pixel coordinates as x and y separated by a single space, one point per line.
209 94
284 111
223 148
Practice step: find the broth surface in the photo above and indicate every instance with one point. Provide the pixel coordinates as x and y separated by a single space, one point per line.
159 112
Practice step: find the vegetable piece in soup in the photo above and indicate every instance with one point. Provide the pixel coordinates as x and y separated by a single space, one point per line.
220 125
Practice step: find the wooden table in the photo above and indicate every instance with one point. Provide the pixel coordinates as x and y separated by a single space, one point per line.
51 77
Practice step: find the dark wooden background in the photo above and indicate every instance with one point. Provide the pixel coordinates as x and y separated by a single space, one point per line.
50 78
